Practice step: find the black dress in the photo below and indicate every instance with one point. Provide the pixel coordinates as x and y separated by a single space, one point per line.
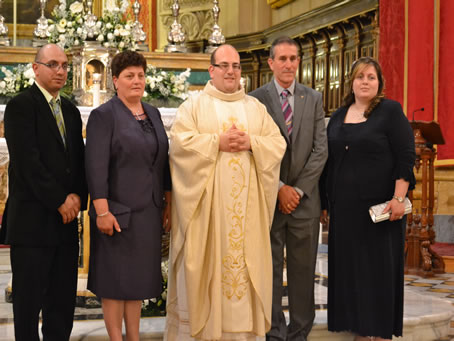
366 260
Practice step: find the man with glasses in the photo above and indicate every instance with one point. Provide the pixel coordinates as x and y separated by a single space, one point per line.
47 190
298 111
225 153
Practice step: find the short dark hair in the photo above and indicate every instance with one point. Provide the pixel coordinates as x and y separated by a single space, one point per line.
125 59
357 66
283 40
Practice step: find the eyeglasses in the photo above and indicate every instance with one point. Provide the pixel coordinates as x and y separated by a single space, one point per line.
54 66
225 66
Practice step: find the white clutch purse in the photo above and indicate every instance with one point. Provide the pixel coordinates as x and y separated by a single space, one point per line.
377 215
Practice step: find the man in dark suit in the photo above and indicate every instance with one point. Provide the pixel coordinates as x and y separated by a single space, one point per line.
298 112
47 189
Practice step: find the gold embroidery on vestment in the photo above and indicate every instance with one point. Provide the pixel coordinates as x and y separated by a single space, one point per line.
234 275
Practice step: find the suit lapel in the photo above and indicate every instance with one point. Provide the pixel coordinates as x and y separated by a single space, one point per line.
298 112
46 112
276 109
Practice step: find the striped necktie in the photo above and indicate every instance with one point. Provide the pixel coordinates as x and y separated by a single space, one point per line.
287 110
55 104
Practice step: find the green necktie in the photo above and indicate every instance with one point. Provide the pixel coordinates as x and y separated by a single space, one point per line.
55 104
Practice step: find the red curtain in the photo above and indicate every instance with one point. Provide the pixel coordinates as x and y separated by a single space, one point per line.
445 80
421 30
391 52
420 93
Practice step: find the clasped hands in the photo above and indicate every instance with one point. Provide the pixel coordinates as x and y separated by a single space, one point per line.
234 140
70 208
288 199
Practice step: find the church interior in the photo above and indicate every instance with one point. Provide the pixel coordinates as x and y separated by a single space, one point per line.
411 39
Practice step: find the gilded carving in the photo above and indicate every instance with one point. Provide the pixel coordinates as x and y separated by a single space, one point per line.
197 25
187 3
3 186
278 3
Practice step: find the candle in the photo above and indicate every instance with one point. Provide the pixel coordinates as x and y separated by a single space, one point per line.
14 22
96 89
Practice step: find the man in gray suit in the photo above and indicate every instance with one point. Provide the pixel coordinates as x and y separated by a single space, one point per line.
298 112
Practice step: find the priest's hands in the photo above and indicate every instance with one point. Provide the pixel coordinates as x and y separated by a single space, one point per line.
234 140
288 199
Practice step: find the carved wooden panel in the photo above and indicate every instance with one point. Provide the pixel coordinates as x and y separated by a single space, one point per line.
326 56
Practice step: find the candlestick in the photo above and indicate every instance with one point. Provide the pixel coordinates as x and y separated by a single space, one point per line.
96 89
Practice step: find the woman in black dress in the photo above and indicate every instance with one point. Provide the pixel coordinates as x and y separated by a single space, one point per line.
371 158
128 178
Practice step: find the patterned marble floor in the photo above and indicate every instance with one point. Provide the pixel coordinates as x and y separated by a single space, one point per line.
89 326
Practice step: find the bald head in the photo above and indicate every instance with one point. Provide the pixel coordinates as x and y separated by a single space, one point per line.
48 48
220 50
50 67
225 69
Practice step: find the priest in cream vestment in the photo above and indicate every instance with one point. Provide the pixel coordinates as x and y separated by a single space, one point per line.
225 154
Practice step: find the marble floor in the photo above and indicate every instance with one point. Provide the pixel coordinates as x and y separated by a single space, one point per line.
428 310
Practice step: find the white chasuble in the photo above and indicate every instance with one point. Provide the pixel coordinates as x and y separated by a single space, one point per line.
220 277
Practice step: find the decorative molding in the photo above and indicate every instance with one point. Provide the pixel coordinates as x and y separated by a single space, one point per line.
186 3
278 3
197 25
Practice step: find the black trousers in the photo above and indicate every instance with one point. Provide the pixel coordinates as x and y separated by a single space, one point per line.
44 279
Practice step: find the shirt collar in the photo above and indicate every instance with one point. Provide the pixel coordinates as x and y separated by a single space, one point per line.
47 94
279 88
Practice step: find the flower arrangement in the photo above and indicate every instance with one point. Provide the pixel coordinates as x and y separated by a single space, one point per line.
111 30
17 79
157 306
22 77
160 85
166 85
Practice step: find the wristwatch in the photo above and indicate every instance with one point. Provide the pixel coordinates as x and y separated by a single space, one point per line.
399 199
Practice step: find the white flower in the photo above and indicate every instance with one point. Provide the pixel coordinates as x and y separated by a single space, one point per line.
109 26
62 38
145 94
76 7
124 32
163 73
76 42
106 44
69 24
164 295
2 85
153 300
79 30
62 7
62 22
100 37
116 32
110 36
60 29
121 44
98 24
31 81
80 21
29 73
127 27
